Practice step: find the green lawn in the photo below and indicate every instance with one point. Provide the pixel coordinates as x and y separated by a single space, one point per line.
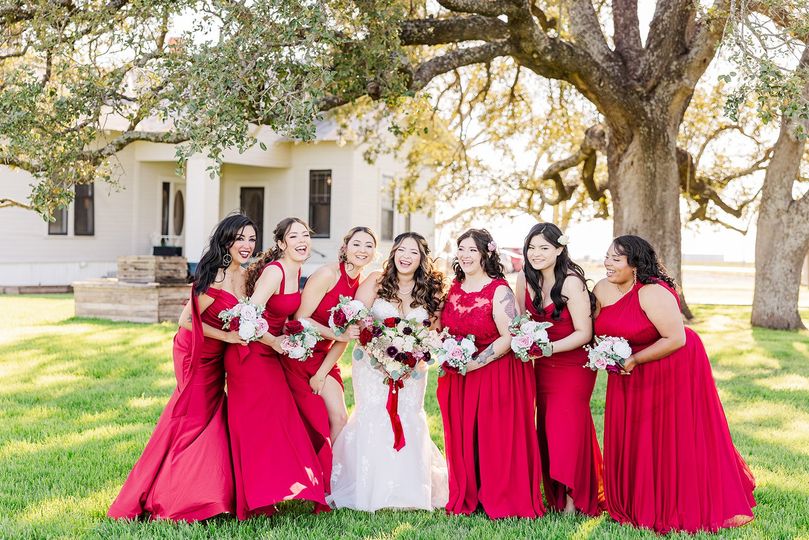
79 398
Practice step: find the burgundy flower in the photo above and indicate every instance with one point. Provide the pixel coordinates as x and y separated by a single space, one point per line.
409 360
376 331
365 336
449 369
535 350
401 357
294 327
390 322
426 323
407 331
392 351
339 318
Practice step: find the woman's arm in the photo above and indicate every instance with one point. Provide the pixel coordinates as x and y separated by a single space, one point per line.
504 309
315 289
578 304
519 291
266 286
366 293
208 331
664 313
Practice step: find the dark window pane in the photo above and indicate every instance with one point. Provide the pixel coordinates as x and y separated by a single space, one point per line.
252 205
179 213
387 220
387 224
84 214
59 225
320 202
164 221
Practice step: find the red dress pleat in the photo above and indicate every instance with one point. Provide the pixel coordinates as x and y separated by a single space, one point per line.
311 406
669 461
488 415
185 470
273 458
571 457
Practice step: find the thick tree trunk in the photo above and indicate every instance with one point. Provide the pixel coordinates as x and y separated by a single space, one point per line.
779 260
645 189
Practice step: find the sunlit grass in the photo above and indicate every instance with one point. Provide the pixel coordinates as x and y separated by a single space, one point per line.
79 399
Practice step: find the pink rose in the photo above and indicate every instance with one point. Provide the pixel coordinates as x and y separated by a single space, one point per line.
600 362
523 341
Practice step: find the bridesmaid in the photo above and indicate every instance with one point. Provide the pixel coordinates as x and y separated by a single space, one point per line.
185 470
557 293
273 458
316 383
488 414
669 461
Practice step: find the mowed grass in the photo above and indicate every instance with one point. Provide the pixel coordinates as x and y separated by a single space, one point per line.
79 399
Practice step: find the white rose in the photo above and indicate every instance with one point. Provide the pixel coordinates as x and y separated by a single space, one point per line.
540 335
309 340
622 349
529 327
468 346
297 352
247 330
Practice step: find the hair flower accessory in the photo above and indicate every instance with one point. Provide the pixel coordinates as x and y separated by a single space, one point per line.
563 240
492 247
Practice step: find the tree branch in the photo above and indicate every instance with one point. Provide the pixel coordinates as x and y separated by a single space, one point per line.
627 33
490 8
452 30
586 31
11 203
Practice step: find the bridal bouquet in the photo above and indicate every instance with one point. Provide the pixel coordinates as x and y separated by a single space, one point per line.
395 346
347 312
300 339
529 338
246 319
453 353
608 354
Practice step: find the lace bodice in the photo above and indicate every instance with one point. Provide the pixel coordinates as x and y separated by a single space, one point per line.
383 309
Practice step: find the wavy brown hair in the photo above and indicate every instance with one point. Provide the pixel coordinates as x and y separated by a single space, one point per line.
428 288
271 254
489 260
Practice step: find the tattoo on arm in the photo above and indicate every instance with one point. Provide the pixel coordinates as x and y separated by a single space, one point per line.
486 355
511 304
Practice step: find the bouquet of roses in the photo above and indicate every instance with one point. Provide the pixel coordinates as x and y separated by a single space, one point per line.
453 353
245 318
609 354
397 345
300 339
347 312
529 338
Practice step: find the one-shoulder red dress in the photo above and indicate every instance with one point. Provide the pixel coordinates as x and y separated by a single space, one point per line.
311 406
490 438
669 461
273 458
571 458
185 470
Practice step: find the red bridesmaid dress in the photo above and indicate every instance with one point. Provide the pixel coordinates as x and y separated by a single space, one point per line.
571 458
489 434
311 406
185 471
669 461
273 458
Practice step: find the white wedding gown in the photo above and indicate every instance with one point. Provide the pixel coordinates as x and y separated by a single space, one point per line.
368 474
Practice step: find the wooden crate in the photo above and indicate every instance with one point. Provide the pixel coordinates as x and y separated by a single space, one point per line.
152 269
118 300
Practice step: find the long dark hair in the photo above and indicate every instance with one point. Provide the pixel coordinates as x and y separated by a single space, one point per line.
272 253
643 258
490 260
213 258
563 268
428 283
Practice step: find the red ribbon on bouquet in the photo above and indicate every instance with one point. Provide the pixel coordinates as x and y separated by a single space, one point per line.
393 411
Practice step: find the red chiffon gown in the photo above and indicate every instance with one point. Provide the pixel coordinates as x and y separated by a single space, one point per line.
489 434
311 406
669 461
273 458
185 471
571 458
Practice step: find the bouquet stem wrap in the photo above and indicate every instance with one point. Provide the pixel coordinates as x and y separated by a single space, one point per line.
393 411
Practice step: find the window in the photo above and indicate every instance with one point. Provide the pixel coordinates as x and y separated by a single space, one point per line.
164 209
84 211
387 208
179 213
320 203
252 206
59 225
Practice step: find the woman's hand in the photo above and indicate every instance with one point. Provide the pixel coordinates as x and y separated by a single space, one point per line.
629 365
316 382
274 342
352 332
234 338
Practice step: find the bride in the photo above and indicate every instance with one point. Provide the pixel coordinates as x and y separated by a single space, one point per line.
368 473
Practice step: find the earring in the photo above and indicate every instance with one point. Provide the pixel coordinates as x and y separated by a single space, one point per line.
634 276
226 260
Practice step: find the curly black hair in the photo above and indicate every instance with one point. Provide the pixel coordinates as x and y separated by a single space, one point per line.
641 256
489 260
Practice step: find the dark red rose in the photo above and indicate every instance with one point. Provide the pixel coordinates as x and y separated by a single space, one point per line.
339 318
391 322
294 327
365 336
410 360
449 369
535 350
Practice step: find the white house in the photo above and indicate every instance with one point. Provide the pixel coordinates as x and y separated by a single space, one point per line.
325 182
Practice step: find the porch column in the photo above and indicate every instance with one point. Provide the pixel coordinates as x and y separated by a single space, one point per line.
202 205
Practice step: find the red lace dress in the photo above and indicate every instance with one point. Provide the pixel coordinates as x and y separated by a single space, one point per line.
571 458
669 461
489 433
273 458
311 406
185 470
